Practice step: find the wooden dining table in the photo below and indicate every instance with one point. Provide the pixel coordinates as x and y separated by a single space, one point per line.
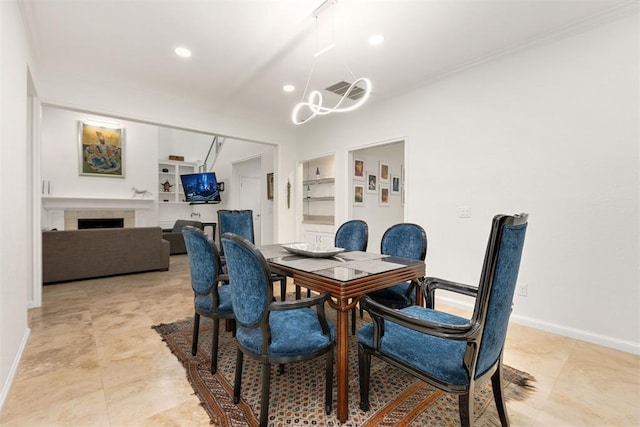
347 277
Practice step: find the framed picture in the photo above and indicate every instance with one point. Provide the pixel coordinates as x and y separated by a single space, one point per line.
358 195
101 150
395 184
372 183
384 173
358 170
270 186
384 195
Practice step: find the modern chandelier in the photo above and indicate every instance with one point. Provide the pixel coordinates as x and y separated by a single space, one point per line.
314 102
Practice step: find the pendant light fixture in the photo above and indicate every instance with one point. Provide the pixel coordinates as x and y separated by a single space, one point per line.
314 102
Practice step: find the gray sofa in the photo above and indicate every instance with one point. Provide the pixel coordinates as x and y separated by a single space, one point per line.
174 235
83 254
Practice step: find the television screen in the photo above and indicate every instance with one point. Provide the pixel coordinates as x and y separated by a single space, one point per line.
200 187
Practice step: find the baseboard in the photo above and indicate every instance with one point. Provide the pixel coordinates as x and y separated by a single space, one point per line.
582 335
6 387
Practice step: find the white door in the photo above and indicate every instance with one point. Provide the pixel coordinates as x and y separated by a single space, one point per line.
250 199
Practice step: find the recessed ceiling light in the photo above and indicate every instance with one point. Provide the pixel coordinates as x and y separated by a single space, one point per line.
183 52
376 39
288 88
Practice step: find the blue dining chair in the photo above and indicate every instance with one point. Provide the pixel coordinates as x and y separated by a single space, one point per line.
240 222
210 298
447 351
352 235
404 240
269 331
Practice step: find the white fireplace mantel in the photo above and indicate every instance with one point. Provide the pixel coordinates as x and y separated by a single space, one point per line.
54 208
63 202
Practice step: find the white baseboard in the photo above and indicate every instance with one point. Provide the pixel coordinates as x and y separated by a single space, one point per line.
565 331
6 387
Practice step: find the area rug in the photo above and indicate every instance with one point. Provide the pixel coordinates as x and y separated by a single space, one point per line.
297 396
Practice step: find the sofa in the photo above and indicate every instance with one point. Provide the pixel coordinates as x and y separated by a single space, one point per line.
84 254
174 235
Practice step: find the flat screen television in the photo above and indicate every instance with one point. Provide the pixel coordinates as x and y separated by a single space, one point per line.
201 187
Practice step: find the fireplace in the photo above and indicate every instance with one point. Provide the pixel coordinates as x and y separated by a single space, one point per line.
84 223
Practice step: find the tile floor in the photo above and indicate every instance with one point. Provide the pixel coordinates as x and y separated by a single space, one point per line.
93 360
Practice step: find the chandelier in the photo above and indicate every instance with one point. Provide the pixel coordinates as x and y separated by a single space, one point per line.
314 104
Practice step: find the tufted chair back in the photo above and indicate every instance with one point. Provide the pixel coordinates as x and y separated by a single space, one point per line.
498 281
353 236
238 222
405 240
204 261
250 280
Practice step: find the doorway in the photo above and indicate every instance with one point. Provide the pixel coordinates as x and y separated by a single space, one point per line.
249 174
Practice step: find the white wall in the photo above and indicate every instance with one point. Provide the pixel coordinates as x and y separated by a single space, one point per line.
15 209
552 131
60 162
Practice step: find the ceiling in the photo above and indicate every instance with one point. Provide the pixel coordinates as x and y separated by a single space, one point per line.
245 51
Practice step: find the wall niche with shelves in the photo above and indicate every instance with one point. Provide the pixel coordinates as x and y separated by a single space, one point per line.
318 191
169 184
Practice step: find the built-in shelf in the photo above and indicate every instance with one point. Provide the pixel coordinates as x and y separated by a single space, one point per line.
319 199
319 181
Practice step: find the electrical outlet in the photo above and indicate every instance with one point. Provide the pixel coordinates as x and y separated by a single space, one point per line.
523 289
464 212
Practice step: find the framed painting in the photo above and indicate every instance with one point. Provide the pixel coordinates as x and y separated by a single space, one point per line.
270 186
384 195
384 173
358 195
395 184
358 170
101 150
372 183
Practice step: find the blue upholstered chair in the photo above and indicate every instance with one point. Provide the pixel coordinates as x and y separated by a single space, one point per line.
240 222
352 235
210 299
273 332
404 240
450 352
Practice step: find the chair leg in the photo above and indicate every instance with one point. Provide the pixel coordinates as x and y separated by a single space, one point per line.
238 378
283 289
353 321
465 403
264 403
364 369
214 345
498 396
328 384
196 329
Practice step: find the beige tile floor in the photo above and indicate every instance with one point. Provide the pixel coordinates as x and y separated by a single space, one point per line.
93 360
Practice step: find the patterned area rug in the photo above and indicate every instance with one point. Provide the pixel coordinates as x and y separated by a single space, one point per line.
297 396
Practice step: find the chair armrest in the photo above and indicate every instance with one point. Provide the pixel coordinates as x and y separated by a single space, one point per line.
302 303
317 301
379 312
432 283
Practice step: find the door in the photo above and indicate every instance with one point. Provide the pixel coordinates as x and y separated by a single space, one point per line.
250 199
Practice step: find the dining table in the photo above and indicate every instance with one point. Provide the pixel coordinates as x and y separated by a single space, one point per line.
346 277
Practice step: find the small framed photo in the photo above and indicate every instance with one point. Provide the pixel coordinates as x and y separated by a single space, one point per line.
372 183
395 184
384 173
270 186
384 195
101 149
358 195
358 170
